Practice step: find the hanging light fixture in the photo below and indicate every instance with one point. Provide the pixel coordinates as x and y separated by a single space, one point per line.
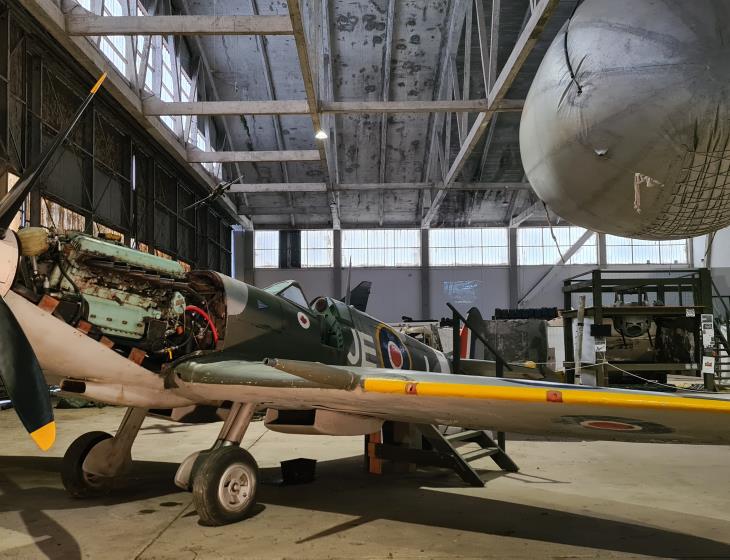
321 135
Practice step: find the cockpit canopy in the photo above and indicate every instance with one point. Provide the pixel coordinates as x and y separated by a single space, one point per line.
289 290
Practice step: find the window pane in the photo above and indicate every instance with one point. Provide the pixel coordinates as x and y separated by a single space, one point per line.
317 248
468 256
621 250
529 237
496 255
441 237
468 246
529 255
266 249
671 254
618 254
441 256
383 247
646 254
588 254
536 246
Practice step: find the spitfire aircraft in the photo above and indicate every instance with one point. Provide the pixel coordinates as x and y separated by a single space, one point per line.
119 326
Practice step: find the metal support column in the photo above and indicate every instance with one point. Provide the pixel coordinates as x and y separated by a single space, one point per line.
513 286
600 370
568 363
34 126
425 275
337 262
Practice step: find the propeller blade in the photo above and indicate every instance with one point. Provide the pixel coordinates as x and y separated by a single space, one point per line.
23 379
227 185
12 202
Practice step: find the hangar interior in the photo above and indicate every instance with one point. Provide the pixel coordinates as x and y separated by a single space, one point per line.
400 88
334 142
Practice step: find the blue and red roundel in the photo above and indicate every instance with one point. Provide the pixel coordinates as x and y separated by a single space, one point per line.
393 353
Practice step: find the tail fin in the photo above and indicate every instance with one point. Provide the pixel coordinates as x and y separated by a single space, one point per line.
358 296
471 344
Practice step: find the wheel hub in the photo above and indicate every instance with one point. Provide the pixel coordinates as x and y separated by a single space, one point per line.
234 489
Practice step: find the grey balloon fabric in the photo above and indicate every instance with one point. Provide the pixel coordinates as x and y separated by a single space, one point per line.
636 143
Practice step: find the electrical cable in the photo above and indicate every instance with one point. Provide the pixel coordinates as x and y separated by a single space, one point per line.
204 315
606 363
656 382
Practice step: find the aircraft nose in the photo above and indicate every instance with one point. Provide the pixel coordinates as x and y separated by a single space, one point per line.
8 261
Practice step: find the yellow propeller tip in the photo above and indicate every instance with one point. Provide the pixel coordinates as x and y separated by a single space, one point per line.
45 436
530 364
98 83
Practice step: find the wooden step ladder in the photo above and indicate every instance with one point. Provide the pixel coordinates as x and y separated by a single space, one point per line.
438 450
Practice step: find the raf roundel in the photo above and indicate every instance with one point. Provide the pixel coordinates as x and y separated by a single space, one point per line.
610 425
304 321
396 358
393 352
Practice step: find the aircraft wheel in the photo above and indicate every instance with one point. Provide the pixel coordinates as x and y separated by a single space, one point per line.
225 484
77 482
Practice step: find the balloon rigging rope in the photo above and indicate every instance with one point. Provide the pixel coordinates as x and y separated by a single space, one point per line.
565 49
552 232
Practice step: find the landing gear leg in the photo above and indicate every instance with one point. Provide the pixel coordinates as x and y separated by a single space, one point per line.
94 460
224 478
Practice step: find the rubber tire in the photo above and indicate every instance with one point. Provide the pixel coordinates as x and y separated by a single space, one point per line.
72 473
207 479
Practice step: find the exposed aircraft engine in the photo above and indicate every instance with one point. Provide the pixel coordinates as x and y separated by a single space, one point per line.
626 127
133 298
632 326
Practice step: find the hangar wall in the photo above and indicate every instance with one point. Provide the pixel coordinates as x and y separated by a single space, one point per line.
423 292
111 171
397 291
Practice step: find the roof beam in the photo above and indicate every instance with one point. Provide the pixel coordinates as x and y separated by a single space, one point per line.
199 156
321 210
300 38
526 42
322 187
92 25
385 94
327 93
450 45
155 106
262 45
415 106
525 215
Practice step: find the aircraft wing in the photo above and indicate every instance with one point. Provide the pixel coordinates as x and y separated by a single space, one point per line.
511 405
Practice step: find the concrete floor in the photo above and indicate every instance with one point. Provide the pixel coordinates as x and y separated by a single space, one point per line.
570 500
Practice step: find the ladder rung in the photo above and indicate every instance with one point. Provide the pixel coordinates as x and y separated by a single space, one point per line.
479 453
466 435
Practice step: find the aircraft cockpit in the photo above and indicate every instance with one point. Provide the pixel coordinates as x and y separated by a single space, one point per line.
289 290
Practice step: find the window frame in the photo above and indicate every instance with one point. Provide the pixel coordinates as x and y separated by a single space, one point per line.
547 243
634 244
458 245
372 244
274 235
305 249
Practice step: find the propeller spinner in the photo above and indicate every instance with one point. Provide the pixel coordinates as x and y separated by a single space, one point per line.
19 368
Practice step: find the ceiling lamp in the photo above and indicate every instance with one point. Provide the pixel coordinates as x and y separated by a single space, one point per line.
321 135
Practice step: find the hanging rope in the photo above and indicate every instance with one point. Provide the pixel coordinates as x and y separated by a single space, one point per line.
552 232
639 180
565 48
